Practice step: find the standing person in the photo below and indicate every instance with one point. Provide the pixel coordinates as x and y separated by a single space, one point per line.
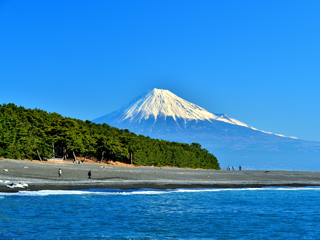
229 168
89 174
232 168
239 168
59 172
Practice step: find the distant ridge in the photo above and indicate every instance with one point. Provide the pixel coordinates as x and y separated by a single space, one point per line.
161 114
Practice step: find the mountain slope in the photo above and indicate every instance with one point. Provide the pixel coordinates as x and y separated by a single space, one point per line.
161 114
159 105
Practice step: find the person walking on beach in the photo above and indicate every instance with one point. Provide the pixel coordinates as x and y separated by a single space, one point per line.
89 174
59 172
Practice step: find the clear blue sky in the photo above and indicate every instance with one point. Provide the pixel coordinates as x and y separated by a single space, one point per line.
256 61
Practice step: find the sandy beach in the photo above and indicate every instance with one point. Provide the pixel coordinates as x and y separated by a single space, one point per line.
44 176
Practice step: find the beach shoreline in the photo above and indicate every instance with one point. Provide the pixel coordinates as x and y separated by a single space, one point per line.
44 176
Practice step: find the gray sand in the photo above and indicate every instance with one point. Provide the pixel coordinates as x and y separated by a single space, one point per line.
44 176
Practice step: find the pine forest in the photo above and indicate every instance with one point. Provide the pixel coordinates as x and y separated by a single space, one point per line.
33 134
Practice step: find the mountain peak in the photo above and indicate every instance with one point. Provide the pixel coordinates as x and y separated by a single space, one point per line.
161 102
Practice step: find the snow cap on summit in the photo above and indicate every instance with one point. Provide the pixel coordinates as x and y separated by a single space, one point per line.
160 102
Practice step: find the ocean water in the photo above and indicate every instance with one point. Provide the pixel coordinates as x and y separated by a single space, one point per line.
267 213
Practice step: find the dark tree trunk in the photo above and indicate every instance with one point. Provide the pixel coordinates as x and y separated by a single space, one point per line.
64 153
102 156
53 153
74 156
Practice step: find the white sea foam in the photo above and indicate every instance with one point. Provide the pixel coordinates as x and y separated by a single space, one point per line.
84 192
252 189
149 191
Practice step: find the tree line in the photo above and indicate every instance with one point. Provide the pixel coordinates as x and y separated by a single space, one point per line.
32 134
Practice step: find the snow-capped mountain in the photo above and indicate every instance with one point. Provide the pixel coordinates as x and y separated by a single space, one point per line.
162 114
164 103
159 103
